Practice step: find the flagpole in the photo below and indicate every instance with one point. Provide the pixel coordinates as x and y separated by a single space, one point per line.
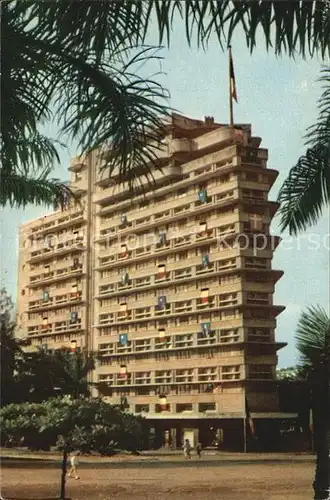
231 109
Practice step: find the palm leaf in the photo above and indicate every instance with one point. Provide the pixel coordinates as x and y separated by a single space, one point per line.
112 105
306 191
95 27
313 338
19 190
320 132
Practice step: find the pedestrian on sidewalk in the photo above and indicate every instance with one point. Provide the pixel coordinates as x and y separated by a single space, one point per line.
186 449
199 450
74 463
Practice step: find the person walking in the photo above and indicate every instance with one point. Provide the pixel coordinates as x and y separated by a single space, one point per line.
199 450
74 463
186 449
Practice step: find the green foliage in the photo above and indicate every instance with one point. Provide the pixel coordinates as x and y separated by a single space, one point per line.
292 27
313 339
67 374
75 57
294 373
313 343
306 191
11 353
69 424
92 92
23 372
18 190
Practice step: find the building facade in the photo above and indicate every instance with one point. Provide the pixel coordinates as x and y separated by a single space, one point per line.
172 285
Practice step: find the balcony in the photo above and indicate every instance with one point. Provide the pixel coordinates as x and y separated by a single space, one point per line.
77 163
57 301
222 157
118 191
220 137
180 146
53 329
254 156
60 249
59 221
53 276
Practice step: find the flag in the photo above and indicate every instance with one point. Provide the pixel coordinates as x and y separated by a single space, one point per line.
249 418
233 93
123 339
161 271
311 421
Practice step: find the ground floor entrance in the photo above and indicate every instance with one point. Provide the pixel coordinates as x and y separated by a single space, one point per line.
236 435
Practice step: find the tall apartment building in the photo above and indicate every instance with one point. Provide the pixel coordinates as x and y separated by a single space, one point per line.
173 286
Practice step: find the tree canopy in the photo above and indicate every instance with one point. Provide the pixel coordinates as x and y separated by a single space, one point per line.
86 424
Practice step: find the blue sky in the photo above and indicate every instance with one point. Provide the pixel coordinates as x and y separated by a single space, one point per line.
278 96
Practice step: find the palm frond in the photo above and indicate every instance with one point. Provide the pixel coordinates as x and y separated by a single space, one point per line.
306 190
319 134
19 190
96 27
27 82
313 338
112 105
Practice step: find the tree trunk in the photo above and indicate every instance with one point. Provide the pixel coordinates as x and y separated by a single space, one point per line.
322 473
63 475
321 417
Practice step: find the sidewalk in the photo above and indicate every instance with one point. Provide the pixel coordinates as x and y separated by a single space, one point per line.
159 455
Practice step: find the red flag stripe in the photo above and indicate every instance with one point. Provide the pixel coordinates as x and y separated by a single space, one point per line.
232 80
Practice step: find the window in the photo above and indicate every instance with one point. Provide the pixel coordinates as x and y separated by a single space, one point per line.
143 378
185 376
229 335
228 299
163 376
183 306
142 345
258 334
257 298
227 264
183 340
143 312
230 372
204 407
142 408
123 310
207 374
183 407
263 372
257 263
